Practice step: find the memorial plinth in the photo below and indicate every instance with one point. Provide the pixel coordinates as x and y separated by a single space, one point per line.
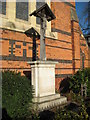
43 81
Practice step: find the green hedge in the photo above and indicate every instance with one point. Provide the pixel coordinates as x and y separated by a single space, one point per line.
66 114
74 82
16 95
81 77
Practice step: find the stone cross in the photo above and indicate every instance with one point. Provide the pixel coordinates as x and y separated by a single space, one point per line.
42 37
45 14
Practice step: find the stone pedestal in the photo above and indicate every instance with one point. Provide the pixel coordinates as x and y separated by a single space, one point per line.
43 80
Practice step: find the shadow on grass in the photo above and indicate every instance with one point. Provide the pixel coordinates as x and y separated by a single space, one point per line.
46 115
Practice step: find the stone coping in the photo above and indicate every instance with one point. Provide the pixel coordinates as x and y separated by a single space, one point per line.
42 62
46 98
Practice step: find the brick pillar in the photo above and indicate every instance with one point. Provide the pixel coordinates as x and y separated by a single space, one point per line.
75 45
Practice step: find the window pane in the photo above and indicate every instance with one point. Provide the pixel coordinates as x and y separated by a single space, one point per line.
3 7
24 53
38 4
22 10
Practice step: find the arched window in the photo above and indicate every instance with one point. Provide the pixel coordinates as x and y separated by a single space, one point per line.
82 59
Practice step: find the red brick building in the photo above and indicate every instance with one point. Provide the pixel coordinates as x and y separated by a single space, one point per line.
64 40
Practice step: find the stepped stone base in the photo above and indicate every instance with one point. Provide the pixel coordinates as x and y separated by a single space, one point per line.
46 102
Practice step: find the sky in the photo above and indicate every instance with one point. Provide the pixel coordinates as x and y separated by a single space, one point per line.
83 14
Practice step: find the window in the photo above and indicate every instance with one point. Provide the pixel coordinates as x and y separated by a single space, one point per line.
22 10
24 53
24 43
3 7
38 4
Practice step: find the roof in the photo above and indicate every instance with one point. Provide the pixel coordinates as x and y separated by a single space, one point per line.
32 32
49 14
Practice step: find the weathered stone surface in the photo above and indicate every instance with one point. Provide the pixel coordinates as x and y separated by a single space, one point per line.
43 81
43 77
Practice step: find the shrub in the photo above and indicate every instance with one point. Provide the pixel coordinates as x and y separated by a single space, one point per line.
78 113
16 95
70 115
81 77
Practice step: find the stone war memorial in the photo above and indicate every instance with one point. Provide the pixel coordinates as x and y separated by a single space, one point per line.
43 41
43 71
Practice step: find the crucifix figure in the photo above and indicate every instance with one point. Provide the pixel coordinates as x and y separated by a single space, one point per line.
45 14
42 38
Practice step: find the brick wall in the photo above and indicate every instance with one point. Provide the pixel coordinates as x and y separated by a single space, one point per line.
17 47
